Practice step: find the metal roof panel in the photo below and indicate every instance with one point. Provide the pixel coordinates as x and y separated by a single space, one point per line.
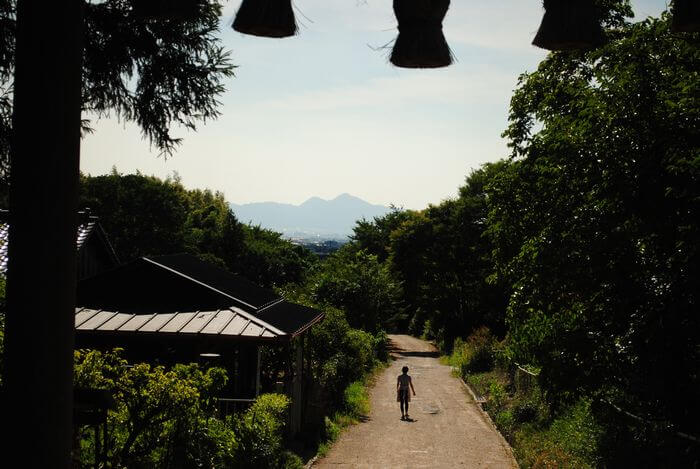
97 320
158 321
219 322
236 326
252 330
115 322
178 322
136 322
198 322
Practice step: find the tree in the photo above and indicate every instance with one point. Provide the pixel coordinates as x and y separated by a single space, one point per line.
443 261
595 224
269 260
46 66
153 71
374 235
356 282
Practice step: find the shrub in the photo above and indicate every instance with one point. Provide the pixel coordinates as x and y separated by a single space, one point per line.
505 422
291 461
259 432
356 399
381 346
476 355
497 395
340 354
331 430
160 415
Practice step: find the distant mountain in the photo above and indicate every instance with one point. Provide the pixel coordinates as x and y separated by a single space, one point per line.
315 217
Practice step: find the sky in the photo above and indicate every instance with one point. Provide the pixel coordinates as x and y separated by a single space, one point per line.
325 113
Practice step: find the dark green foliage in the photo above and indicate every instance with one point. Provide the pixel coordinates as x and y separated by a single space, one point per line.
595 224
259 432
269 260
475 355
146 216
161 415
142 215
360 285
442 261
167 418
339 354
374 236
153 72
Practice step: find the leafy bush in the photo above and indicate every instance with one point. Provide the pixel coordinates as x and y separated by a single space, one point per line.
476 355
160 414
331 430
259 432
505 422
362 286
340 354
381 346
570 440
356 399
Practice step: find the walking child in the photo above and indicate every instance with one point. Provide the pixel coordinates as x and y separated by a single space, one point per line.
403 382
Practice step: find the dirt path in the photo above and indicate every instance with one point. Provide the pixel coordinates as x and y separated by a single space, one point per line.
448 429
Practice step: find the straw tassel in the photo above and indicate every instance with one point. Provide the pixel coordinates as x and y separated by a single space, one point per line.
421 43
568 25
686 16
266 18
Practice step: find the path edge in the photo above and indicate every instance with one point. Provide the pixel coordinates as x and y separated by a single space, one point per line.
487 417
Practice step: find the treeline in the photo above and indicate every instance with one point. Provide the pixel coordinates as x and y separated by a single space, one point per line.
147 216
579 252
143 216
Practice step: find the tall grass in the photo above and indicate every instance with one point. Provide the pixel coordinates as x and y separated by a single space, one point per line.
540 436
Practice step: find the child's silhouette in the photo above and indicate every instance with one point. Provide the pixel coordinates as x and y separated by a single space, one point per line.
403 382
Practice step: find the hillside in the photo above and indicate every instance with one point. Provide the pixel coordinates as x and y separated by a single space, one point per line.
316 216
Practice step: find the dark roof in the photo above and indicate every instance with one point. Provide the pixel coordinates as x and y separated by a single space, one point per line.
223 323
218 279
176 283
290 317
88 227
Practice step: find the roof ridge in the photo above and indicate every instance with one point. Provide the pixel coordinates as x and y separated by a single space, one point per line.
260 322
198 282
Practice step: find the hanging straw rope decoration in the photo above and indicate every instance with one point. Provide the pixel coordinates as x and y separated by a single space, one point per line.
569 25
686 16
266 18
421 43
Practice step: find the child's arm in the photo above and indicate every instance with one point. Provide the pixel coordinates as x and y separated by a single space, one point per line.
398 383
410 382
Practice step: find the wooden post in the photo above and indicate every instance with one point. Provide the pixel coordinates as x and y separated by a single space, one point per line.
296 389
257 372
41 278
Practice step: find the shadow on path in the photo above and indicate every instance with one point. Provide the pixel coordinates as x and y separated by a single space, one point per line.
404 353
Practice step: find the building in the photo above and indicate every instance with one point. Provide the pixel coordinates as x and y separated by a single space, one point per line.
178 308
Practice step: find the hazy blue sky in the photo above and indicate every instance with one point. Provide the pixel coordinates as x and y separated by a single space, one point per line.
323 113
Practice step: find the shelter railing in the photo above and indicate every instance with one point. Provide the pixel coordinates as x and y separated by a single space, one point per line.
227 406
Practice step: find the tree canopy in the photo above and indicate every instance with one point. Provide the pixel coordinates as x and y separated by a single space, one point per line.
147 216
595 222
154 71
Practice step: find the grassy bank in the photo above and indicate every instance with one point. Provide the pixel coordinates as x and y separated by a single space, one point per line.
356 407
541 436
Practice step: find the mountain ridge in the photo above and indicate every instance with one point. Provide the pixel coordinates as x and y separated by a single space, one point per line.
315 216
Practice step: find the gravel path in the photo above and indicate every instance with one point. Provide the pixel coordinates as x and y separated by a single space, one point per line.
447 430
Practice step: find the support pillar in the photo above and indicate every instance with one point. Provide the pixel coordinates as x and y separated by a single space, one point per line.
41 278
296 389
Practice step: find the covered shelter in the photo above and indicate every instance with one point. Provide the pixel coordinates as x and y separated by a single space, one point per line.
178 308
